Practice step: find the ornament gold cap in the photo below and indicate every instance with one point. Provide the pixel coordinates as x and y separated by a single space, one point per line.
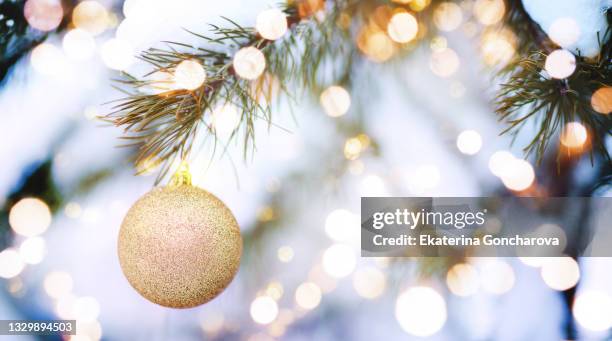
182 175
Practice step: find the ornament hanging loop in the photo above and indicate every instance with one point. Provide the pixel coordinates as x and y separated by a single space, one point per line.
182 176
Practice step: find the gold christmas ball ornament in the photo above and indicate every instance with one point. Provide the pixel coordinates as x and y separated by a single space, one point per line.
179 246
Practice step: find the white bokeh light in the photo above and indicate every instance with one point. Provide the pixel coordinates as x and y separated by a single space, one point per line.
500 162
560 64
11 264
189 75
444 62
335 100
342 225
30 217
271 24
420 311
308 295
573 135
469 142
32 250
593 310
519 176
249 63
264 310
369 282
79 44
403 27
339 260
447 16
285 254
560 273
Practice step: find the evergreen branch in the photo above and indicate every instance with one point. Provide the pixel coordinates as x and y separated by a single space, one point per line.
162 126
530 95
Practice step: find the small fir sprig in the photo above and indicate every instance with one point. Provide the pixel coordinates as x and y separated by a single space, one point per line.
163 126
531 96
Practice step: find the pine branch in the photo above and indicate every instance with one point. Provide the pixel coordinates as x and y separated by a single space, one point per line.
531 96
163 126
